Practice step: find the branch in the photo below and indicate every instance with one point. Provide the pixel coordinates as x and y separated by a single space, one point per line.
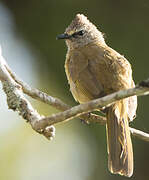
14 89
39 95
93 105
141 135
17 102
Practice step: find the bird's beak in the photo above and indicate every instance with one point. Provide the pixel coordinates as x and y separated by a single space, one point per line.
63 36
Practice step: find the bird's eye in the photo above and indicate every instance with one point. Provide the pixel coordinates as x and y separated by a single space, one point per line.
79 33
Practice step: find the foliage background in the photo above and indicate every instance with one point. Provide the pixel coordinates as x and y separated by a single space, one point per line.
28 30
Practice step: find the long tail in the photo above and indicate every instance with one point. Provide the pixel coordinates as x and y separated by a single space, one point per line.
120 153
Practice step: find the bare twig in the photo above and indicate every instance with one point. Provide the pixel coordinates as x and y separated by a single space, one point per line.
91 106
13 88
39 95
17 102
139 134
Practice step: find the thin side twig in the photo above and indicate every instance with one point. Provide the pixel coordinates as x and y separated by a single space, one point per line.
139 134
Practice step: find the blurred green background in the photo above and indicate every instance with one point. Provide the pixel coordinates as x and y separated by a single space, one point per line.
28 30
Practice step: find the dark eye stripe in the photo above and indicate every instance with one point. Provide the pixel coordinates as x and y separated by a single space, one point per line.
79 33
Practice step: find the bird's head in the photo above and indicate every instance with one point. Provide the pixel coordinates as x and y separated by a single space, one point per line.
81 32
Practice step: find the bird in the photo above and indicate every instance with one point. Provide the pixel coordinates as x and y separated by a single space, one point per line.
94 70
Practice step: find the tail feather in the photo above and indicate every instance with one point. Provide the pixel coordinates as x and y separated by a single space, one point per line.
119 145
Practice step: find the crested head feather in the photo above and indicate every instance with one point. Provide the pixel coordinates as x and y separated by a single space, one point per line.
91 34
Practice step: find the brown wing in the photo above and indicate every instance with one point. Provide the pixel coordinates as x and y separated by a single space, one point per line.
83 83
124 78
